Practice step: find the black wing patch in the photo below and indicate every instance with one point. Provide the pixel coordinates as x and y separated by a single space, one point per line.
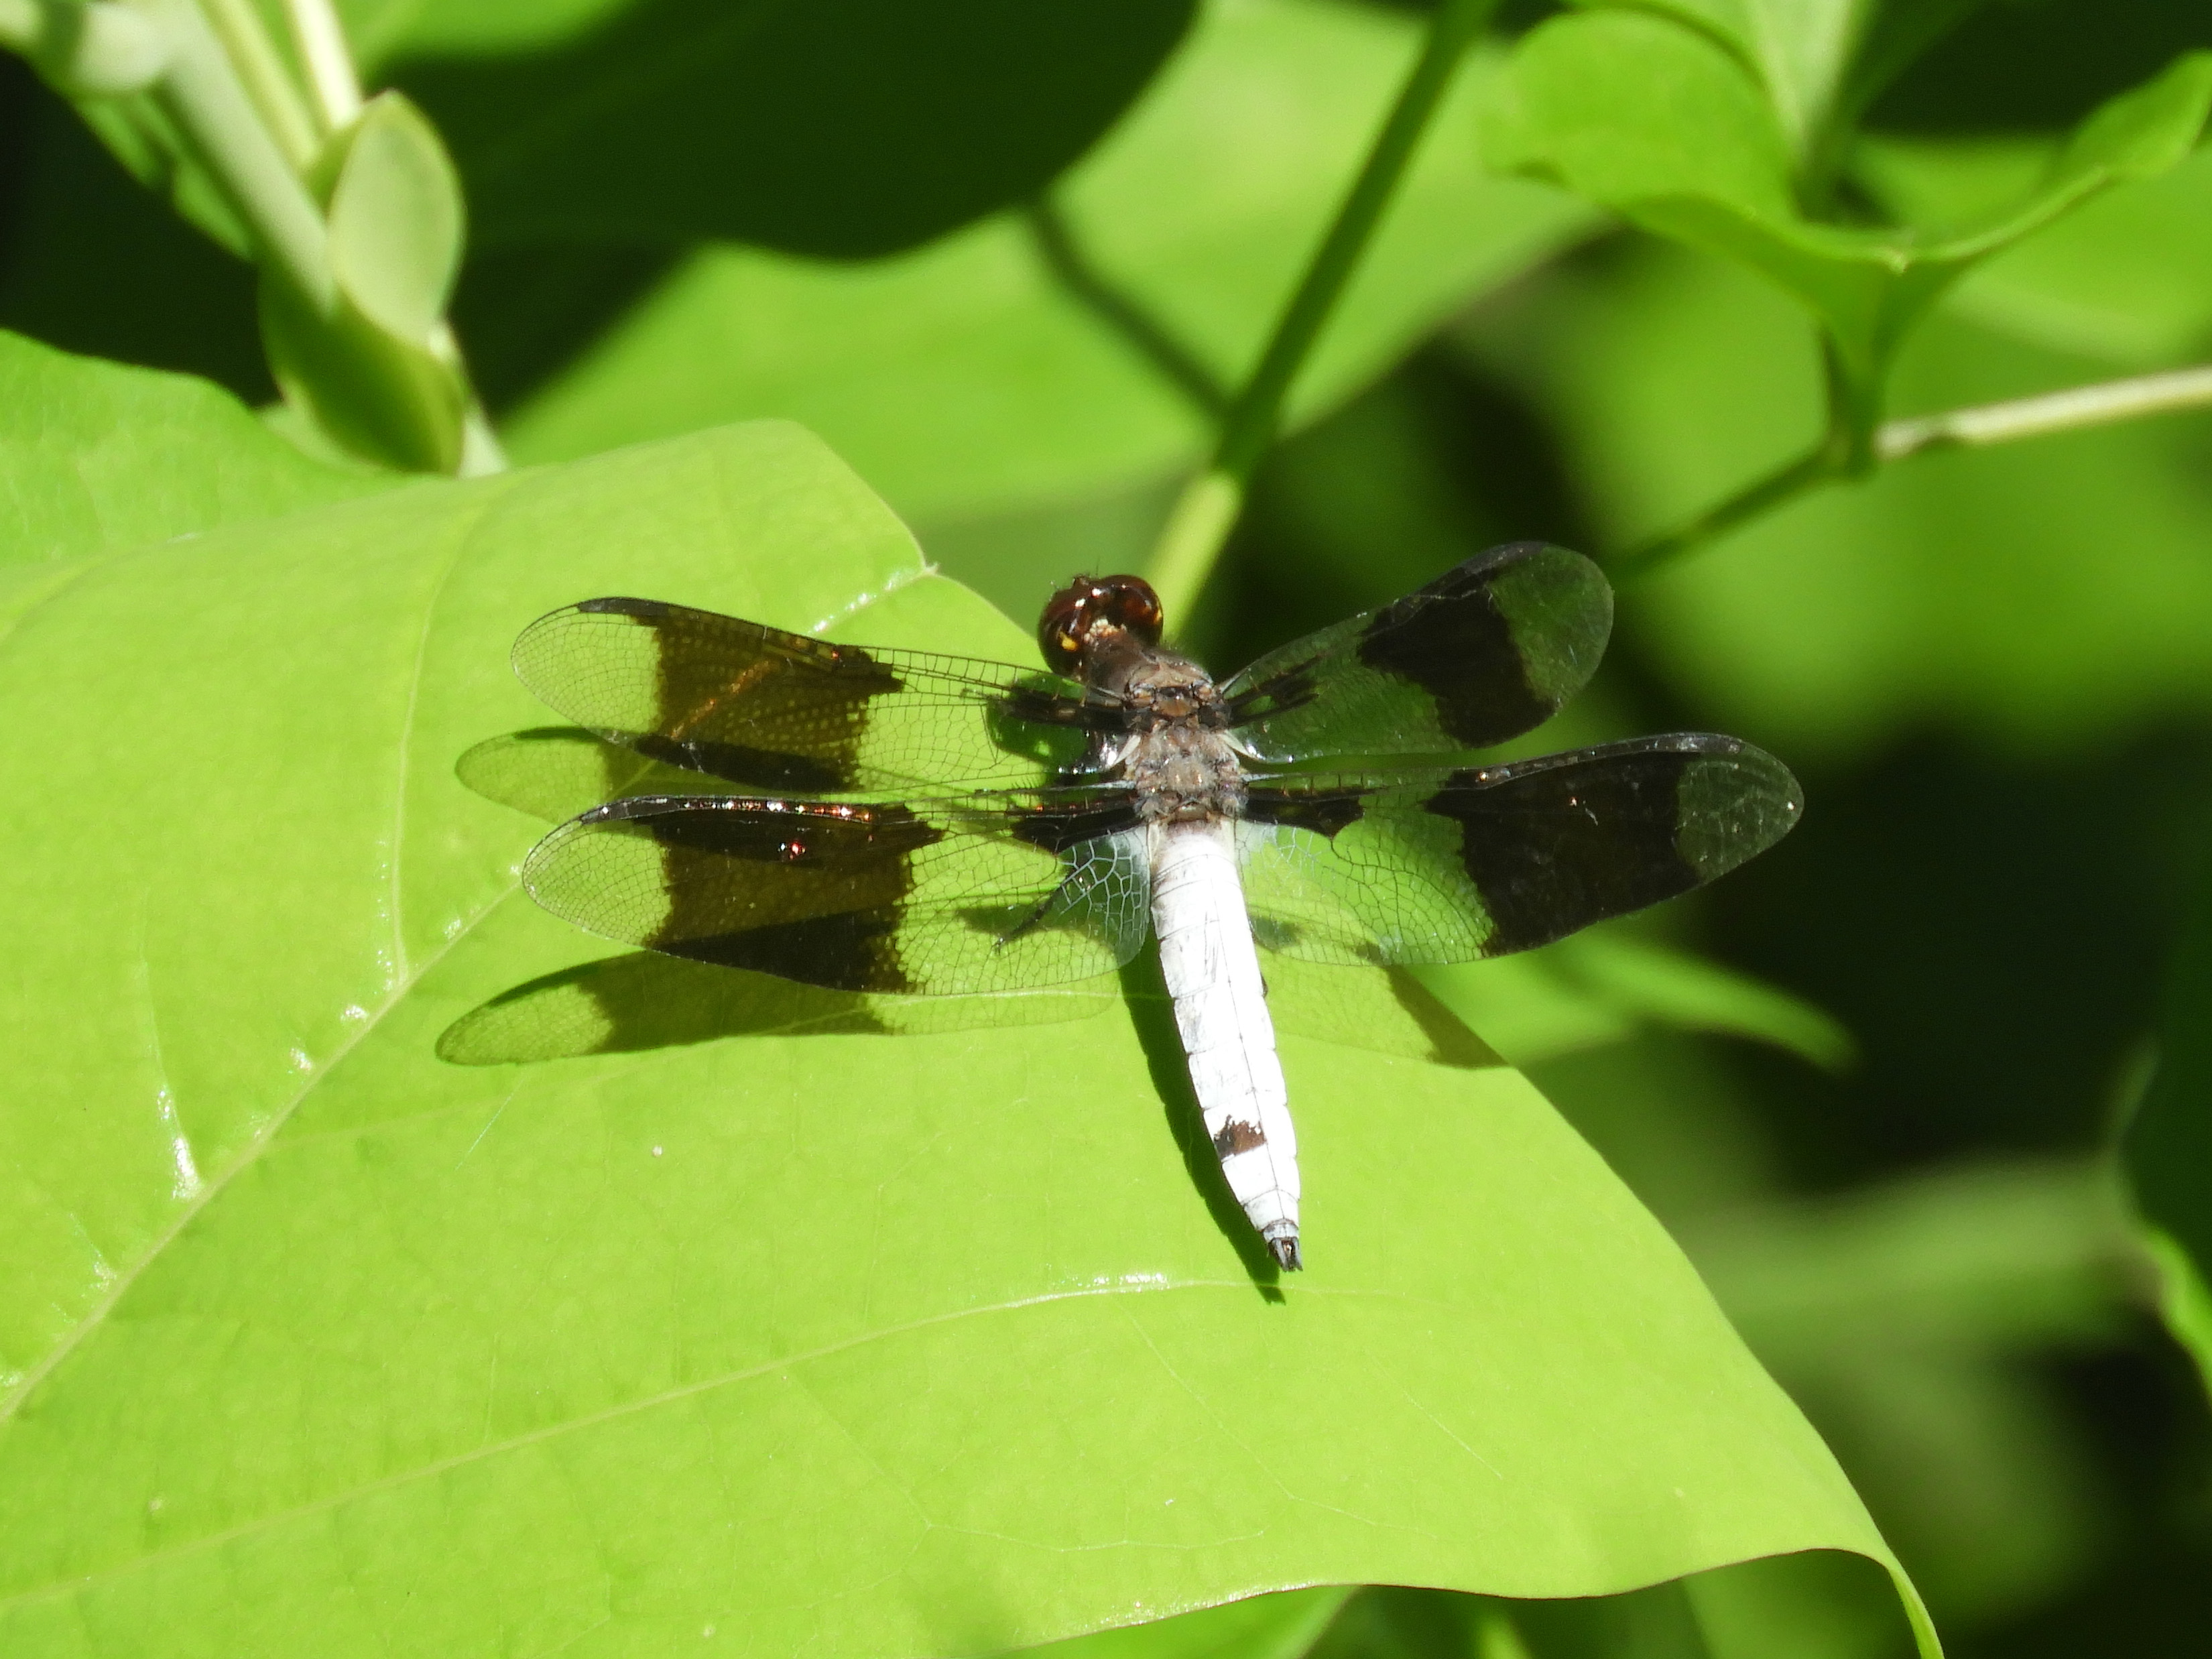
996 890
1485 652
779 711
1450 866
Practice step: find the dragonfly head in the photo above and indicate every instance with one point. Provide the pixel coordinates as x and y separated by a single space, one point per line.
1091 609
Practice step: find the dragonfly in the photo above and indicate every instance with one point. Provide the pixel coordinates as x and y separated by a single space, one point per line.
900 822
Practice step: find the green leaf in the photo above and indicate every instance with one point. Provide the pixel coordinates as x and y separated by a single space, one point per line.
964 379
847 128
1800 50
1963 592
2166 1148
395 219
1665 127
377 371
2127 280
379 29
1815 1605
1285 1626
1600 987
884 1345
97 457
377 395
1973 1259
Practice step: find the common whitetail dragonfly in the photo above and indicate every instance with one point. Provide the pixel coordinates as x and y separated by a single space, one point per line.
1044 824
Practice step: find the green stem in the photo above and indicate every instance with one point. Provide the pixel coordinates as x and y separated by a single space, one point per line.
2054 411
1817 466
202 95
1191 541
1833 459
86 48
1196 530
482 451
320 41
267 81
1845 450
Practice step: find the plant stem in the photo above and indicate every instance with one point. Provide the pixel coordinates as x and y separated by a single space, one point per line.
1829 462
1200 523
202 95
2054 411
482 453
320 41
267 81
86 48
1816 467
1197 527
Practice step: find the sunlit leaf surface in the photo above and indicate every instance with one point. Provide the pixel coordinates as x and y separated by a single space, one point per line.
1800 48
315 1342
94 456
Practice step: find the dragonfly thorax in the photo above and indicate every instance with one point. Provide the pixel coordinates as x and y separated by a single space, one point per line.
1176 753
1183 771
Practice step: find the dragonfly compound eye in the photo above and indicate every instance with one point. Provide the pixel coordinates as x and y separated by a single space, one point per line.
1088 603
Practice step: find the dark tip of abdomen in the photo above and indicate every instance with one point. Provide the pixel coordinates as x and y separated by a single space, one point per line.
1284 1249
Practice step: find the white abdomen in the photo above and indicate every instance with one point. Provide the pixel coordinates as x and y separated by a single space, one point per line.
1213 973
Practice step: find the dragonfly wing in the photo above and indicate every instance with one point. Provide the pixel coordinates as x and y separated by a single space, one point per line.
993 890
772 710
1487 651
1451 866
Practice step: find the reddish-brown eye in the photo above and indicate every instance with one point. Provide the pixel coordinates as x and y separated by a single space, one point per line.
1123 602
1131 603
1060 631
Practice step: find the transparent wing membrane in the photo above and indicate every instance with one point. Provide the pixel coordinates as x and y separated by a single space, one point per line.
1449 865
759 706
1487 651
986 891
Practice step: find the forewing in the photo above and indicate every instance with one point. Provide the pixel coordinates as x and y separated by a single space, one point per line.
759 706
1450 866
991 891
1483 654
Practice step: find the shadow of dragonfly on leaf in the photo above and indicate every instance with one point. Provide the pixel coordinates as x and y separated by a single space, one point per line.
642 1000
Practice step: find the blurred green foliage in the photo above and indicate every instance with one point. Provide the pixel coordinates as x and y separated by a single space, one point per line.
1871 1083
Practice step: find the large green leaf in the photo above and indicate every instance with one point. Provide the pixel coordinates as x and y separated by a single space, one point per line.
1820 1605
965 378
880 1345
1662 124
96 456
1285 1626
